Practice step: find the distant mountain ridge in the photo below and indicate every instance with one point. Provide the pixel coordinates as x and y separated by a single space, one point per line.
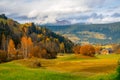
89 33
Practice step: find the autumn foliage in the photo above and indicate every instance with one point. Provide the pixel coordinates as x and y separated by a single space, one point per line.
76 49
87 50
47 49
3 56
98 49
26 46
11 47
20 41
38 52
116 48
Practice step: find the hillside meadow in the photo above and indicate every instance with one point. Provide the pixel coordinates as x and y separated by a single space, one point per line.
66 67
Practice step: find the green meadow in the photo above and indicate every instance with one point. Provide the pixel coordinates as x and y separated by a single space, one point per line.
66 67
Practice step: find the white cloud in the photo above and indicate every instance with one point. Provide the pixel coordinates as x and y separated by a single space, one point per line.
60 9
103 20
33 13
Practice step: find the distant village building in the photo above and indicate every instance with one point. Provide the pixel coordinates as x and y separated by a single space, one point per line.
106 51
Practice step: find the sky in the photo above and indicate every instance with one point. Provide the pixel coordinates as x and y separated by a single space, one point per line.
51 11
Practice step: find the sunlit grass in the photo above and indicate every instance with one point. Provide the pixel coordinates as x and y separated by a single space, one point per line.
109 56
14 71
73 57
66 67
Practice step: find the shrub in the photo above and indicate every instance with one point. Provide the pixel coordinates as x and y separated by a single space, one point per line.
76 49
97 49
35 63
87 50
3 56
116 48
31 62
42 53
118 51
48 55
35 52
118 71
19 55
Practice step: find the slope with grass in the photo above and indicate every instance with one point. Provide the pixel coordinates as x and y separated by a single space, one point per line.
66 67
15 71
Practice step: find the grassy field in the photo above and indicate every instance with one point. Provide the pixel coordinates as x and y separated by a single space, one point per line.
67 67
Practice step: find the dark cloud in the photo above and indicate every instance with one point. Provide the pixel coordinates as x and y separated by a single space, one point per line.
96 16
116 15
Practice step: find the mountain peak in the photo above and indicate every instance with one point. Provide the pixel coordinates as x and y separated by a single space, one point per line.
3 16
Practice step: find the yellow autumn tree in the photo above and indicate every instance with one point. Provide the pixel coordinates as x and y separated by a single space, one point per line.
11 48
29 45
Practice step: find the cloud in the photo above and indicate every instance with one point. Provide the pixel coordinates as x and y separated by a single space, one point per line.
48 11
116 15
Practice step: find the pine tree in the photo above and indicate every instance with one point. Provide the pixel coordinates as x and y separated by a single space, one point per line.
3 42
62 47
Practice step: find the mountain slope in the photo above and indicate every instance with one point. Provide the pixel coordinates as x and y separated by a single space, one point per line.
92 33
15 30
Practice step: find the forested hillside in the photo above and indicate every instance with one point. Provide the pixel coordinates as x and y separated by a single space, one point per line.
30 40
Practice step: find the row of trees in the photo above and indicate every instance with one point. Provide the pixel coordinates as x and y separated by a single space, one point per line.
23 40
90 50
47 48
116 48
23 50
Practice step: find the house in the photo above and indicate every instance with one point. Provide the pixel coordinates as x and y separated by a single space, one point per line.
106 51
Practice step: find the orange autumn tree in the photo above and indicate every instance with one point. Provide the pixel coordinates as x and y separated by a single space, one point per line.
11 48
76 49
87 50
26 46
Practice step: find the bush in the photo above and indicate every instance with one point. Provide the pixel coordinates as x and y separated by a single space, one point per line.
50 55
87 50
98 49
3 56
118 71
35 52
42 53
116 48
34 63
76 49
19 55
31 62
118 51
